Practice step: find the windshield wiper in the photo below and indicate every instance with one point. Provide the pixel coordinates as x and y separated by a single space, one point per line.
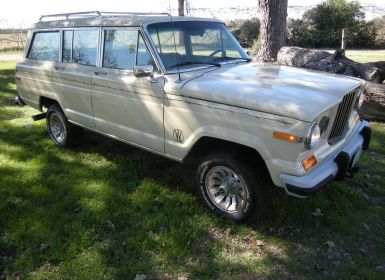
195 62
233 58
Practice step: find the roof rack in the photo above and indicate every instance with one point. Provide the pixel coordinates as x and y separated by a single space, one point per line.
99 14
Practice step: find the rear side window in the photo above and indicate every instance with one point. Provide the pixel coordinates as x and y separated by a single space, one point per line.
45 46
85 47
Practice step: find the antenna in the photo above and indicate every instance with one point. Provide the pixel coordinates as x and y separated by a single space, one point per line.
176 53
173 35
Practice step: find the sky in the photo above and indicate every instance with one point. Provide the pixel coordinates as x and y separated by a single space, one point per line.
22 13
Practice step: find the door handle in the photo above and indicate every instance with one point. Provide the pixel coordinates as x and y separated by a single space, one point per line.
58 68
97 73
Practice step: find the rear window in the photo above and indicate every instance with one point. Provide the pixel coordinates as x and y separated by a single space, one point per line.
45 46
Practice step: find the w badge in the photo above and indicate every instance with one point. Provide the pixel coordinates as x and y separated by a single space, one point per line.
178 135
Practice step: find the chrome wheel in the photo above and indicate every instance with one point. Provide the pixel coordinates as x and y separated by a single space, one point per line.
225 189
56 126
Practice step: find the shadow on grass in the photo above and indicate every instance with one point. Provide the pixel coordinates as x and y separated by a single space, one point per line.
70 198
105 208
102 204
7 81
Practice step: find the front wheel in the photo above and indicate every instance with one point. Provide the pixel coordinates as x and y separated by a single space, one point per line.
231 188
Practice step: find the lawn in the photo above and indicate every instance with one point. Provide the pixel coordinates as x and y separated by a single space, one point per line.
364 56
105 210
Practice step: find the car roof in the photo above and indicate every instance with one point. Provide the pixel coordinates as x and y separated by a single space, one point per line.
112 19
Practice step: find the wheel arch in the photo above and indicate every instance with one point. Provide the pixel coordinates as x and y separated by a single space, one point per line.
206 145
46 102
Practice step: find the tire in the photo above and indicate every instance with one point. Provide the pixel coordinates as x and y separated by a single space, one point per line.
61 132
232 188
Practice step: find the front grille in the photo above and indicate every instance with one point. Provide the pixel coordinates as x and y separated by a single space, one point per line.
342 116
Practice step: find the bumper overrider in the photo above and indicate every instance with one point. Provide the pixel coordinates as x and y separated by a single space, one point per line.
341 164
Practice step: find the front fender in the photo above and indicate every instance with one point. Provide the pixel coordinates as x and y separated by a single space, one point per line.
181 150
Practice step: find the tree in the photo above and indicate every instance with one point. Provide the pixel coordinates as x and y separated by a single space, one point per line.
379 24
327 20
321 26
300 33
181 7
245 30
273 28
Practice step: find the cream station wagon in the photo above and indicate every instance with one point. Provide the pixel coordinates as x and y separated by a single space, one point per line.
183 87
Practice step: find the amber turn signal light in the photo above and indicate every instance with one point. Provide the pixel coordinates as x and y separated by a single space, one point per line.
285 136
309 162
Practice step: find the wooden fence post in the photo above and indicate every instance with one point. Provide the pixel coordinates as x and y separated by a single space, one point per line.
343 40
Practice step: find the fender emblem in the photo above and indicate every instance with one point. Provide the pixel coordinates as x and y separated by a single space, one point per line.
178 135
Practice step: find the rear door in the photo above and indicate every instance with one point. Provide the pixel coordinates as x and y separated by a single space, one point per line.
125 106
73 75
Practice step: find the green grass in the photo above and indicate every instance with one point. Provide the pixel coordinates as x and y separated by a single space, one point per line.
364 56
105 210
14 50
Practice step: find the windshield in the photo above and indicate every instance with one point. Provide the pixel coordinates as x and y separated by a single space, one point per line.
187 44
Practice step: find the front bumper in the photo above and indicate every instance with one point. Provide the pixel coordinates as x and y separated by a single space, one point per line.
337 166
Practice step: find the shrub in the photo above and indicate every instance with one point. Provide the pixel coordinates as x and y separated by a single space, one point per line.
246 31
379 24
322 25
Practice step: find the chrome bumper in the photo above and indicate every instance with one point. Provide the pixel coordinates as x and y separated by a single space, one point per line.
335 167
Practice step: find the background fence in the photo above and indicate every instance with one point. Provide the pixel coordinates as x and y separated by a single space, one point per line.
12 41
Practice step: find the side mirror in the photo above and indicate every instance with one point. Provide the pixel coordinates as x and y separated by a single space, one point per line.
144 71
248 53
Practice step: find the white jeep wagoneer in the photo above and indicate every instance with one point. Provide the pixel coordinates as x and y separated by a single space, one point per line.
183 86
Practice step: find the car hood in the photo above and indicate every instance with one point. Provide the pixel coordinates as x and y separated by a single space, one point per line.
281 90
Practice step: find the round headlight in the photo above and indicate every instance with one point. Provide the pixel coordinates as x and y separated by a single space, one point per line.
313 136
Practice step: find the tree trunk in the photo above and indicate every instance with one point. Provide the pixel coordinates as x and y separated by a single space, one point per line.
373 72
373 107
273 28
334 63
181 8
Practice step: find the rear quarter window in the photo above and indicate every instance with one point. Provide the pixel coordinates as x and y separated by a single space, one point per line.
45 46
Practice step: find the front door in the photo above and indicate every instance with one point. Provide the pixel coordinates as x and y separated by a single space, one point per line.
125 106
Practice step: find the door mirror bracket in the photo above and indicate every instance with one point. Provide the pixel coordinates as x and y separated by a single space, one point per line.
145 71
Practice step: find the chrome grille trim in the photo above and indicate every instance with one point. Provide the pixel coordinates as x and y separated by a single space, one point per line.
341 120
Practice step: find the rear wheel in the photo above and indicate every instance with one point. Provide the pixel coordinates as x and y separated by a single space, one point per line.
61 132
232 188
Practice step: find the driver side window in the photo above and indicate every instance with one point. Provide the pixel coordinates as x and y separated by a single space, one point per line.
125 48
120 49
